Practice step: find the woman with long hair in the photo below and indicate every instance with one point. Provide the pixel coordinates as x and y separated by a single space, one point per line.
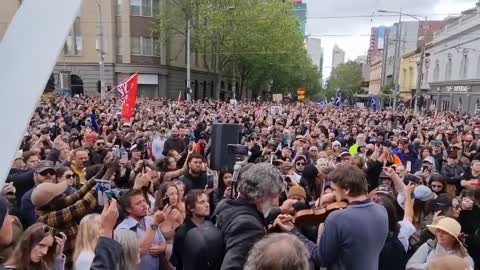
39 248
65 174
168 195
447 241
130 257
181 195
299 164
87 237
224 190
438 183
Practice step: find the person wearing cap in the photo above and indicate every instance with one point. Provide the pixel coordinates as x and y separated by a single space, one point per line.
447 241
44 173
297 193
56 209
453 173
337 148
438 153
346 158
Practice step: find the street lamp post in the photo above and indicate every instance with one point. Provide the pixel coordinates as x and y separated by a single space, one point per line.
422 57
101 57
189 90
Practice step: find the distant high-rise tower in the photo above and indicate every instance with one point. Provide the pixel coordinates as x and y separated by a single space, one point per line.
300 10
315 51
338 56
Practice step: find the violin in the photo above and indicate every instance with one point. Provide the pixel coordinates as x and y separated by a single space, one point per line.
317 216
310 217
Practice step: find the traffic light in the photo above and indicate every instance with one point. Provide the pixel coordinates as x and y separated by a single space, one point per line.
99 86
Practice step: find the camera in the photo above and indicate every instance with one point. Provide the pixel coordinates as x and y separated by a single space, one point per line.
237 149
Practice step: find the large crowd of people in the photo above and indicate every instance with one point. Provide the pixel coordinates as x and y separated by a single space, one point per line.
320 188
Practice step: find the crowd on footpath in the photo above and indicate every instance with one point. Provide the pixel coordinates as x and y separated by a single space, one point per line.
320 188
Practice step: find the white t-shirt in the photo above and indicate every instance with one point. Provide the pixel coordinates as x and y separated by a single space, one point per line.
84 260
406 230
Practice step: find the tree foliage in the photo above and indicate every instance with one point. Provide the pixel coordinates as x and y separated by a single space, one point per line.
347 78
255 42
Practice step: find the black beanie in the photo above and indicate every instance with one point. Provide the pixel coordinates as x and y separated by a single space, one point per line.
3 210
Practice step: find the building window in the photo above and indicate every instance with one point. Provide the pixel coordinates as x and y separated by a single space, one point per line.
147 46
146 8
436 71
73 42
156 46
136 7
136 45
118 8
156 7
448 70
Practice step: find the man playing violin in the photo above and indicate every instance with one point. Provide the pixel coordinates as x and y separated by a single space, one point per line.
353 237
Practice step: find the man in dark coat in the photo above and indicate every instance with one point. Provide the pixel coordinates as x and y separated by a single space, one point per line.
242 221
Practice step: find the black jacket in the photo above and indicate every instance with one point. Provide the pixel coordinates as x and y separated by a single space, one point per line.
453 174
242 225
22 181
177 249
194 182
107 254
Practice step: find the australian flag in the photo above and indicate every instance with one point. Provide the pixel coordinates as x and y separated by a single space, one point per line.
373 104
338 101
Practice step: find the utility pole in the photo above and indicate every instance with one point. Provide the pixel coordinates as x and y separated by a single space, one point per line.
189 90
100 49
397 58
418 89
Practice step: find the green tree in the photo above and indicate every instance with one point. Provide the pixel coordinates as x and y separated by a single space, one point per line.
256 43
347 78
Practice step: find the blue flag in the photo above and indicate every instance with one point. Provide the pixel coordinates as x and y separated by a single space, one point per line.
373 104
338 101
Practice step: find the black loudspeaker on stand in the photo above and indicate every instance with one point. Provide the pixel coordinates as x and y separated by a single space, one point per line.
223 135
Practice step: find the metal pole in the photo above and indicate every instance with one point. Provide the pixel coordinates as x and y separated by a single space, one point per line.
189 90
397 58
418 89
234 84
101 57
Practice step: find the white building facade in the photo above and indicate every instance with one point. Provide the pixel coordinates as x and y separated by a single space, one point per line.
451 70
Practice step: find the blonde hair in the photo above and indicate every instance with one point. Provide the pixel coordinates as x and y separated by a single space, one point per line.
130 249
87 235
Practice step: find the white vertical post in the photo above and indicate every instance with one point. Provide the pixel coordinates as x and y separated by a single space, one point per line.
19 58
189 90
101 58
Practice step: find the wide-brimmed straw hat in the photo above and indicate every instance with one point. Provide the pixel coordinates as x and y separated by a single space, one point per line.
448 225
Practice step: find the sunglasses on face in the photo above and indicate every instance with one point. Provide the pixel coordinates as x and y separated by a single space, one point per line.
47 172
100 144
68 176
300 164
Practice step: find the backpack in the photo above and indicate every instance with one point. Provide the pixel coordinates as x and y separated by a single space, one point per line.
203 248
393 255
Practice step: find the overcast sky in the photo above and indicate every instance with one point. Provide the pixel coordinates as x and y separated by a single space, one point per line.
354 32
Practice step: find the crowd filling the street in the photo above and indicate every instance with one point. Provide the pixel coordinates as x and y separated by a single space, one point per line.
312 188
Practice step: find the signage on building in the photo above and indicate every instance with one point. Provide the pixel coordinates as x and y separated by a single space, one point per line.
457 88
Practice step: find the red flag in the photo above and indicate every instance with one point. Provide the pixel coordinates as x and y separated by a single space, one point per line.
128 108
179 99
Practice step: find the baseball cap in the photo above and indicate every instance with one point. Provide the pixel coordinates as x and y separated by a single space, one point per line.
429 160
45 165
344 153
423 193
